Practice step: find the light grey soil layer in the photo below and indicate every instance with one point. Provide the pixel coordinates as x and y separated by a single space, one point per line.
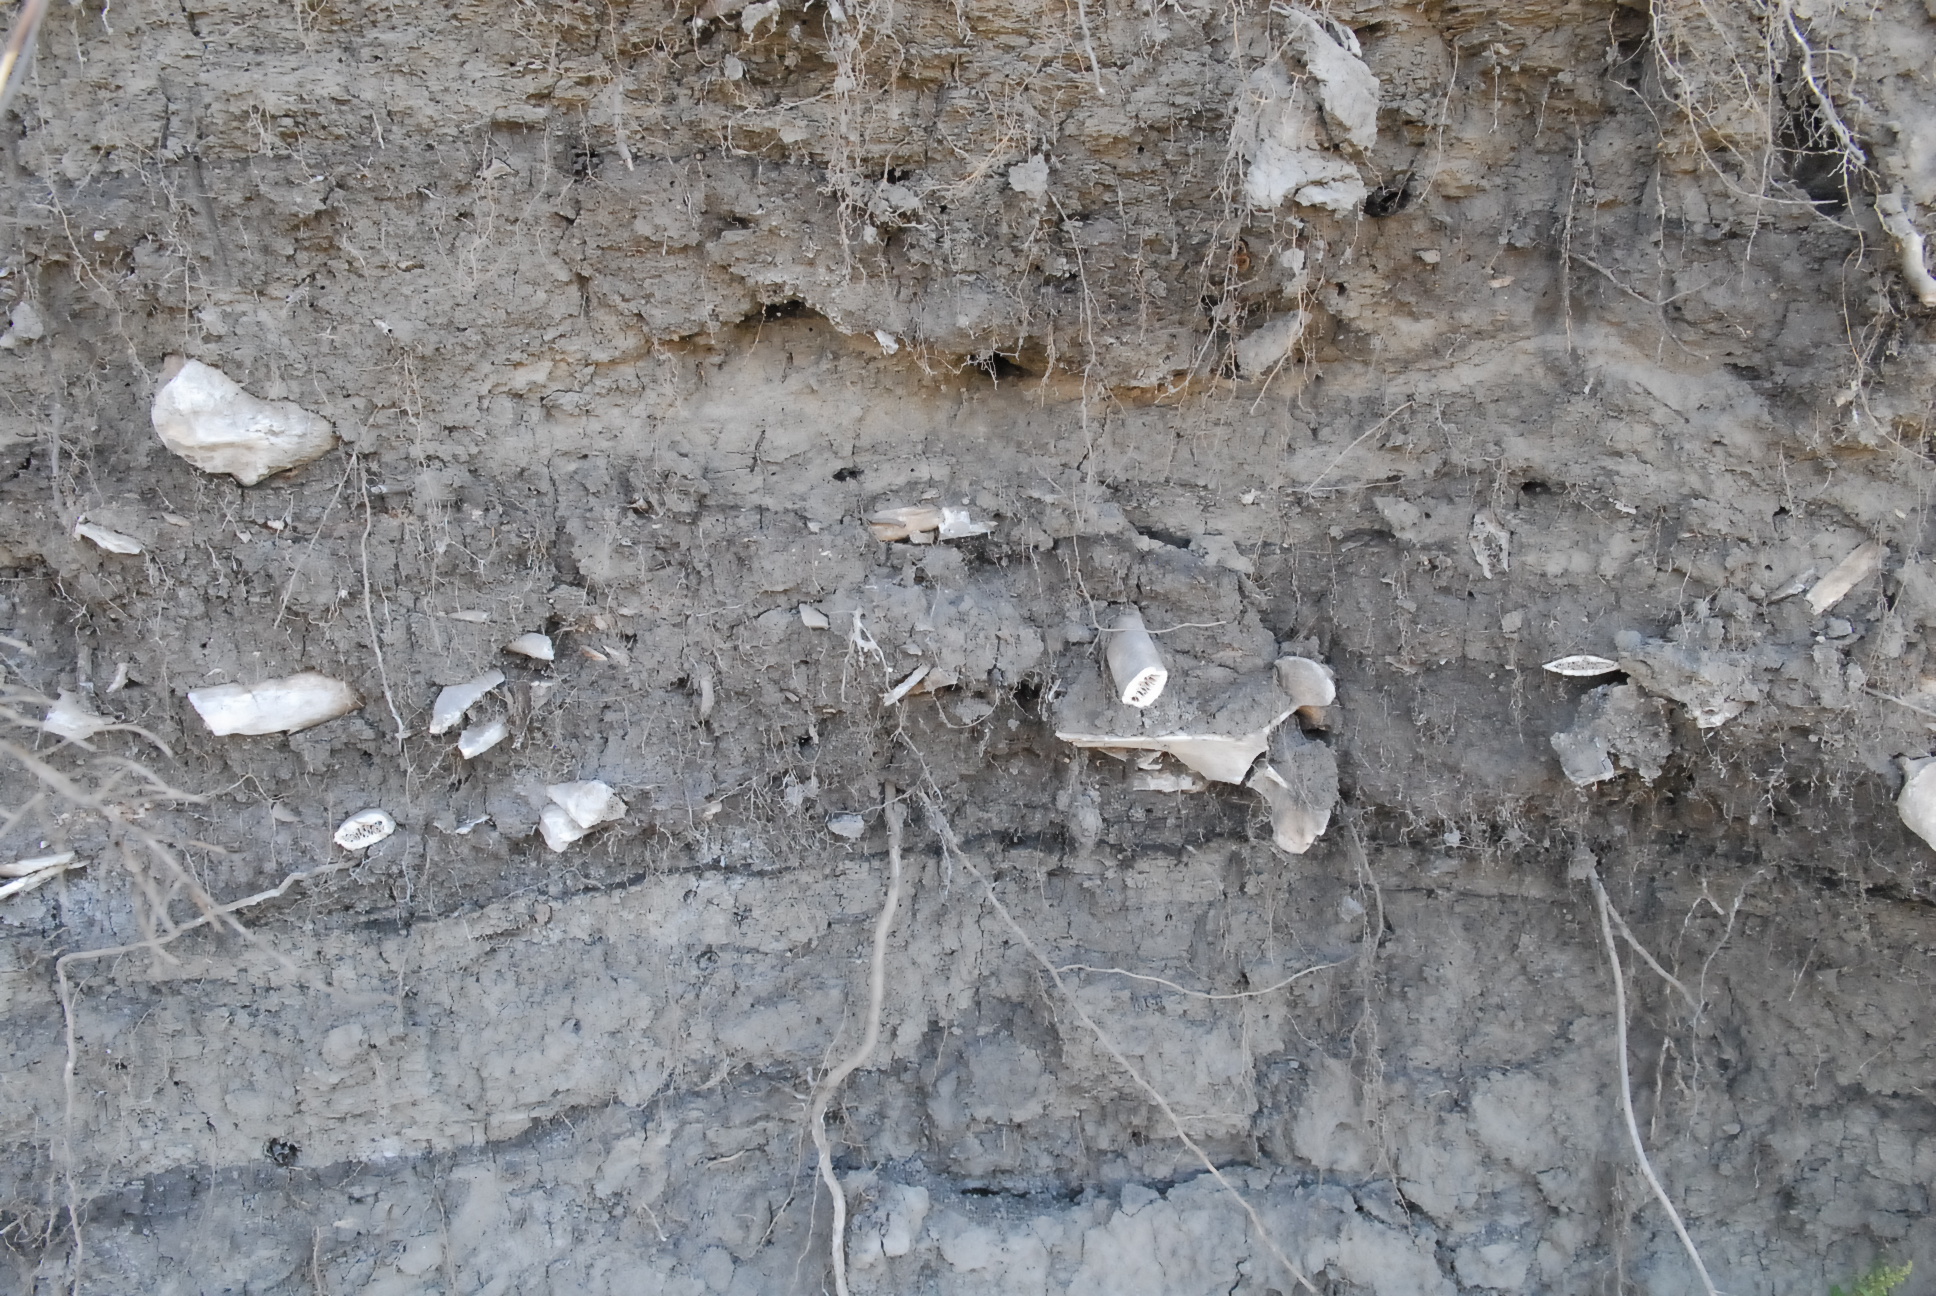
627 318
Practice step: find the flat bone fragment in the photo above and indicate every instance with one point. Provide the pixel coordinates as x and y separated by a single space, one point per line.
69 718
204 416
558 828
480 738
38 864
30 873
1167 781
287 705
1894 214
456 699
923 523
813 618
1220 737
362 831
1134 662
533 645
112 541
850 826
1917 802
589 803
1582 666
1300 784
906 686
1865 561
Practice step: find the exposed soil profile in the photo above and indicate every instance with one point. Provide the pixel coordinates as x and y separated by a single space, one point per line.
886 646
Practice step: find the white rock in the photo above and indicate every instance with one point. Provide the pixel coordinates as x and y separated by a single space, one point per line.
480 738
455 700
1270 345
364 830
1581 666
112 541
204 416
24 325
813 618
533 645
286 705
1917 803
1308 683
70 718
1491 543
589 803
850 826
1030 177
1279 131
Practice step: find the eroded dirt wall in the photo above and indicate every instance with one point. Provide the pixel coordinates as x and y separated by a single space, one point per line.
1582 331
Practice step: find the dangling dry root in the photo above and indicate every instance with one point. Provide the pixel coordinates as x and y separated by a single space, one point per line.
876 990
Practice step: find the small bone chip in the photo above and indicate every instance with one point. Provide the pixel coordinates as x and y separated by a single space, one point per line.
850 826
533 645
813 618
362 831
455 700
29 873
1582 666
923 523
287 705
69 718
480 738
112 541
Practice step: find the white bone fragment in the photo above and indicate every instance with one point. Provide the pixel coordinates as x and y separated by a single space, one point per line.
558 828
364 830
287 705
38 864
1134 662
112 541
1491 542
204 416
70 718
888 342
1225 758
28 874
850 826
957 525
1863 562
813 618
1917 802
906 686
1167 781
1894 214
120 680
589 803
1308 683
476 616
1794 587
480 738
1581 666
456 699
904 523
533 645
